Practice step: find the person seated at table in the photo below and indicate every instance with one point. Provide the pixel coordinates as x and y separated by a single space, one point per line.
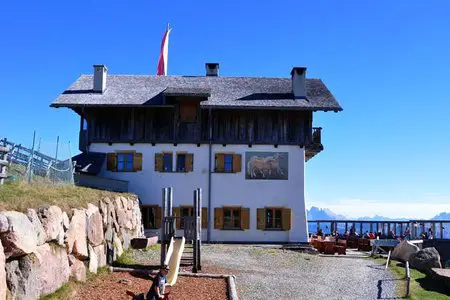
390 235
366 235
430 234
320 232
372 236
407 233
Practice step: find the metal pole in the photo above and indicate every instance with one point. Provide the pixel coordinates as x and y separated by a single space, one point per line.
71 166
199 237
164 226
30 163
194 250
57 146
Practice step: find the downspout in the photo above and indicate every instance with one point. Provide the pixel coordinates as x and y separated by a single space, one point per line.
210 210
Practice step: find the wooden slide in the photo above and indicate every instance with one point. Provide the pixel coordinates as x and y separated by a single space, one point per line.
173 259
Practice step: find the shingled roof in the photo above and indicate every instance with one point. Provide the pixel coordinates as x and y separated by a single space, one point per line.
221 92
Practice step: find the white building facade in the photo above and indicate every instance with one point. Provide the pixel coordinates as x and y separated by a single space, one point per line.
249 160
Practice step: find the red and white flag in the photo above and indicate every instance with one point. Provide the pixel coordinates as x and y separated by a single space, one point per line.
164 55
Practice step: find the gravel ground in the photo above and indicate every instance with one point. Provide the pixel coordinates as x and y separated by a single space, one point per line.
268 273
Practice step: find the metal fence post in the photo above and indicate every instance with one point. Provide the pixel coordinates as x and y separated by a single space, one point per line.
30 163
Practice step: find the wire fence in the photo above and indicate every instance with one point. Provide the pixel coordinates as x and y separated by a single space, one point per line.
41 160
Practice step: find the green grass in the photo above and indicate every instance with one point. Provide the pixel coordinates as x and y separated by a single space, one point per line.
126 258
19 195
422 287
66 291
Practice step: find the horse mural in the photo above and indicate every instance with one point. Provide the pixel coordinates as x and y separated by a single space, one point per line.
266 165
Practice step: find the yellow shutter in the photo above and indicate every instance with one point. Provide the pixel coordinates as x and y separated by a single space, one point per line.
261 219
220 162
176 212
218 218
137 162
237 163
189 167
159 160
286 219
245 218
204 217
158 217
111 162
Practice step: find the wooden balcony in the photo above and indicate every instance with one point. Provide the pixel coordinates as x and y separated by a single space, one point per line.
316 144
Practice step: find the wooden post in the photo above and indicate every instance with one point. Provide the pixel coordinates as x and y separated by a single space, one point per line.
318 226
401 229
433 226
360 228
346 226
371 227
442 230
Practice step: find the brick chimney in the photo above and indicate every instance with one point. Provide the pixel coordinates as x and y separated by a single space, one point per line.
299 82
212 69
100 78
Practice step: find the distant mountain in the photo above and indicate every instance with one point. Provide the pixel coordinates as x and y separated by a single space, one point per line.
442 216
316 213
381 218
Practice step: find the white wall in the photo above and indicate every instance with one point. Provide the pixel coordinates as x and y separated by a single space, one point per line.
226 189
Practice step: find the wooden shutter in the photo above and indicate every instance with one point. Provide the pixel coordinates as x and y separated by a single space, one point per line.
218 218
286 219
158 217
237 163
245 218
189 162
261 219
220 162
204 217
137 162
159 162
111 162
177 213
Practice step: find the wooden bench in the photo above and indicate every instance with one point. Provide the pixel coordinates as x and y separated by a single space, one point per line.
364 244
341 247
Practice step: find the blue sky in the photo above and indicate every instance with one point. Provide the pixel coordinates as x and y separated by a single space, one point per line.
387 63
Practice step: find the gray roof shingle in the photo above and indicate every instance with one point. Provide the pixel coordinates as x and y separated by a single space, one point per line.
225 92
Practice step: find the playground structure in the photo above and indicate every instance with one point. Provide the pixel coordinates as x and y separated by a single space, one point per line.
172 246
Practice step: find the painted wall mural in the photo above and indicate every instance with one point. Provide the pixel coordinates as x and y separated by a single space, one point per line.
266 165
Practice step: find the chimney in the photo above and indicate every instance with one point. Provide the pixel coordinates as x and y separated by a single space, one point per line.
299 82
212 69
100 78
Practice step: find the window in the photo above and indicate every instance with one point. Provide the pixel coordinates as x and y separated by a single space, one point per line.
164 162
232 218
188 111
181 162
185 211
151 216
167 162
228 163
124 162
273 218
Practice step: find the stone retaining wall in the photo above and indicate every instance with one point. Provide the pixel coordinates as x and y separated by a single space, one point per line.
42 249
